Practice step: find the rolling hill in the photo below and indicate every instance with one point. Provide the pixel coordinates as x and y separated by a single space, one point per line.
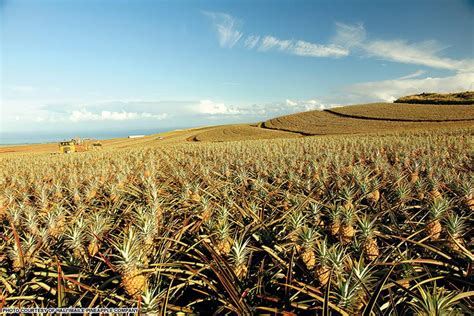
374 118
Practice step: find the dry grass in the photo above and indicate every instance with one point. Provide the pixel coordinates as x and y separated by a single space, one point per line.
466 97
408 112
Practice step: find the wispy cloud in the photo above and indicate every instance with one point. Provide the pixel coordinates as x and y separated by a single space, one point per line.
413 75
425 53
251 41
227 28
302 48
270 42
229 33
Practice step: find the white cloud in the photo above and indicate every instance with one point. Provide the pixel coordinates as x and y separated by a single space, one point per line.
413 75
390 90
215 108
423 53
291 103
251 41
270 42
84 115
302 48
227 27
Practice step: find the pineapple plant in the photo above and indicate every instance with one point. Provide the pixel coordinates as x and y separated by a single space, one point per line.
56 222
370 248
224 241
374 195
97 229
75 236
334 216
434 192
322 269
129 262
347 196
239 256
468 195
307 239
347 230
455 226
206 210
294 224
437 210
364 283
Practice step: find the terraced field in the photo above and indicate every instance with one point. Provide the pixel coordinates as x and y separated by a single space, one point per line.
407 112
239 132
374 118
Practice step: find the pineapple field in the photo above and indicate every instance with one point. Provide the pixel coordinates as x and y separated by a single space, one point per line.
377 224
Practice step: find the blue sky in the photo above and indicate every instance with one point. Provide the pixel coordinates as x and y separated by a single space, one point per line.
89 65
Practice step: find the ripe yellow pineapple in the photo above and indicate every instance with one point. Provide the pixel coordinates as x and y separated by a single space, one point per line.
374 196
133 282
414 177
309 258
57 223
322 273
224 246
371 249
206 214
195 197
93 248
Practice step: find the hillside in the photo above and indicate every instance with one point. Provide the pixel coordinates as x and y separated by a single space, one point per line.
466 97
373 118
407 112
239 132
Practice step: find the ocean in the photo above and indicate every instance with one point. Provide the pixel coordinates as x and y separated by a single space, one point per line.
51 137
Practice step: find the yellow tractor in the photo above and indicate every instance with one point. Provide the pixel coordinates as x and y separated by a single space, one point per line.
78 145
67 147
